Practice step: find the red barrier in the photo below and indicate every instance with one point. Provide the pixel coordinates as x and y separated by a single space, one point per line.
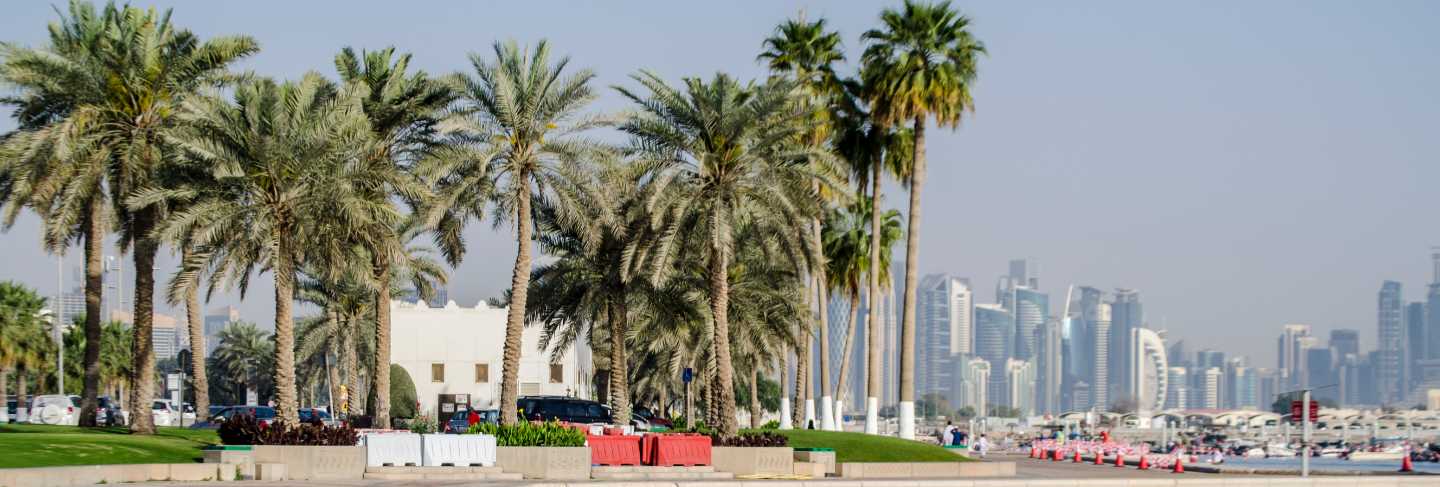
614 450
678 450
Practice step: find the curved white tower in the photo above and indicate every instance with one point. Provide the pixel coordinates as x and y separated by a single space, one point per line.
1149 369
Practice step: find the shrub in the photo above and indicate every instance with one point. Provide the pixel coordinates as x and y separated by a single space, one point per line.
751 439
772 425
246 430
531 434
423 425
402 393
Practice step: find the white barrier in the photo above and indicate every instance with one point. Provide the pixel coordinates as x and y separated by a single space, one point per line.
459 450
394 449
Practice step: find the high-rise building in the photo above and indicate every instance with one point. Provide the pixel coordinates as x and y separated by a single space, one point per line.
1148 368
1086 305
1211 391
1389 366
1432 309
1020 386
1291 356
1415 344
1269 386
1209 358
860 353
974 387
1126 315
1177 355
215 321
1241 387
1025 272
995 342
1321 373
945 314
1030 308
1345 342
1177 390
1049 371
1100 380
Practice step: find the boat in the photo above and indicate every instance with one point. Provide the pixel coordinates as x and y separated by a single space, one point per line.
1256 452
1377 456
1333 452
1275 450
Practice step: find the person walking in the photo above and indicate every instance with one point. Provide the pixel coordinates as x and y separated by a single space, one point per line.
982 445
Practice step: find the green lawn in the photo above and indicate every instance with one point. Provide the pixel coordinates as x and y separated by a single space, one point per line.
860 447
43 446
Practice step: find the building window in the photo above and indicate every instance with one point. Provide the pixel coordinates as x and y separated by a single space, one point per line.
557 373
482 373
437 372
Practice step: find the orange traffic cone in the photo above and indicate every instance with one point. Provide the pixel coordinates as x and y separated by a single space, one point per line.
1099 458
1179 465
1405 466
1119 460
1056 456
1144 462
1077 456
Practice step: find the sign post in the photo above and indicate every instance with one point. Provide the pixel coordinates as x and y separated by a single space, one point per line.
1305 437
687 376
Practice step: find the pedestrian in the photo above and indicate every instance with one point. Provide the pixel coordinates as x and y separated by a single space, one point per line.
472 419
982 445
947 434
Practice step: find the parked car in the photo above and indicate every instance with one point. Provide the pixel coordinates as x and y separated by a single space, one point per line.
107 412
12 409
264 414
53 409
309 415
162 413
567 409
459 422
652 418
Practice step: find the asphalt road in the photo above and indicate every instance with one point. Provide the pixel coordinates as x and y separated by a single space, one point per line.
1028 468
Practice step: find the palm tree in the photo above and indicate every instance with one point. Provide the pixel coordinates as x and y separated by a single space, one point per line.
847 247
284 155
524 114
722 158
24 343
921 64
403 110
243 355
806 51
106 90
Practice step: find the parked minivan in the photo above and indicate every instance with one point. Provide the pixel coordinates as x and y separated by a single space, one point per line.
53 409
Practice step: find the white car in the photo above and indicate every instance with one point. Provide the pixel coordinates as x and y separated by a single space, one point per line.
162 413
53 409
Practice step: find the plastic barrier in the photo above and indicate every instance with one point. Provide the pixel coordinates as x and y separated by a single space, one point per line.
614 450
393 449
679 450
458 450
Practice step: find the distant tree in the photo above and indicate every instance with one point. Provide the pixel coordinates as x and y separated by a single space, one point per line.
1124 405
965 412
1003 411
402 393
932 405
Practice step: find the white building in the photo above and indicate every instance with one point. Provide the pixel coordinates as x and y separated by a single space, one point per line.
1020 379
945 333
1211 392
1177 391
1149 370
458 351
974 383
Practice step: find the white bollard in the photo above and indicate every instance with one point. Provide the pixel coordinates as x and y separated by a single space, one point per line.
785 413
872 415
839 416
907 420
827 413
809 414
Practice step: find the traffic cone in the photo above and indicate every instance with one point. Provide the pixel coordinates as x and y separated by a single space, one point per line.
1179 465
1077 456
1405 466
1056 457
1144 462
1099 458
1119 460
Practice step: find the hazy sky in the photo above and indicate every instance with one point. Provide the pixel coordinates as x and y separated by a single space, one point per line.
1243 164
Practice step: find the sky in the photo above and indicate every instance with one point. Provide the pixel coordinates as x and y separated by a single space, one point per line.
1243 164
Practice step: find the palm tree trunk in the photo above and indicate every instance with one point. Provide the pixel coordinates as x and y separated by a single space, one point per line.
382 344
803 402
351 361
519 291
847 348
873 325
755 397
786 421
143 349
94 235
20 403
822 324
619 370
333 350
912 261
5 395
286 410
720 309
200 383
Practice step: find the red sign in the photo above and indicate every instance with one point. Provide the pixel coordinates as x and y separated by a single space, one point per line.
1296 414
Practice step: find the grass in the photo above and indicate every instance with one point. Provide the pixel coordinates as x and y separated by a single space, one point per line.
860 447
26 445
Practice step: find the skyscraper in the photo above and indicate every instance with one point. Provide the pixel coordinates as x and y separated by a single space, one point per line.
1049 371
1416 343
994 342
1345 342
1389 366
1177 388
1025 272
215 321
1321 372
1126 315
945 316
1149 369
974 385
1020 385
1100 380
1030 308
1290 356
1211 388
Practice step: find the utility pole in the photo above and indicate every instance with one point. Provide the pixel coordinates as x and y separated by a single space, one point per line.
1305 437
59 317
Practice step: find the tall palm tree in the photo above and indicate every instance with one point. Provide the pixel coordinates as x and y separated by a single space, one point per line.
285 155
920 64
806 51
847 245
243 356
23 340
404 110
109 88
524 115
723 157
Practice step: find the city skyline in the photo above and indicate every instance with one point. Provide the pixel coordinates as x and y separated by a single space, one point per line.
1209 177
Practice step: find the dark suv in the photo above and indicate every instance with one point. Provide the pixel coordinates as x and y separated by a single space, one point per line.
568 409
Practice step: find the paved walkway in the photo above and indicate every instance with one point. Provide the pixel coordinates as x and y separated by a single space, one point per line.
1028 468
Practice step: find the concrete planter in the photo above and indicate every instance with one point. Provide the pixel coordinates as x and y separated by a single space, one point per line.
754 460
825 458
392 449
315 462
458 450
545 462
